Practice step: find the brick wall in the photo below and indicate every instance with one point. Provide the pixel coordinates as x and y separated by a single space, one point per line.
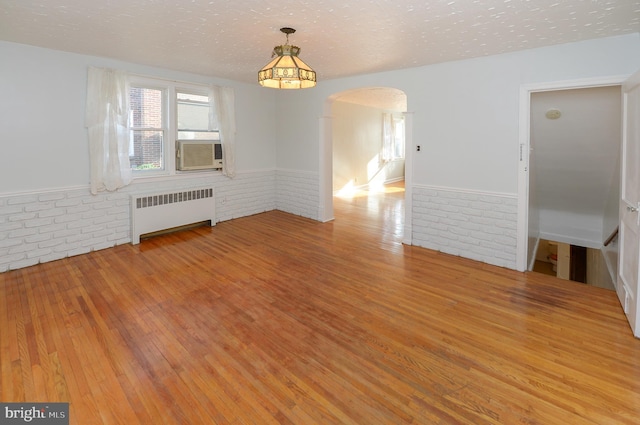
246 194
47 226
298 193
41 227
476 225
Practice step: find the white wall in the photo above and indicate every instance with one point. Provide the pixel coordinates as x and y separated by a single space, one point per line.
42 106
357 147
466 113
571 228
610 221
612 206
46 209
298 115
573 161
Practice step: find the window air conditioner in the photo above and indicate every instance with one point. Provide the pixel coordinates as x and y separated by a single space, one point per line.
198 155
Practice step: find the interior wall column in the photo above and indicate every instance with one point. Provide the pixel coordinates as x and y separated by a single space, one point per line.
325 209
409 147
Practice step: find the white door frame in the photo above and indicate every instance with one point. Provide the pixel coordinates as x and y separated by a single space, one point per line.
524 149
627 279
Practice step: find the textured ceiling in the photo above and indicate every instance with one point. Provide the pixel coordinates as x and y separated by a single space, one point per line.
377 97
338 38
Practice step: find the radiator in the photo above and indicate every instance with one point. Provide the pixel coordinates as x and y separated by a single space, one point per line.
154 212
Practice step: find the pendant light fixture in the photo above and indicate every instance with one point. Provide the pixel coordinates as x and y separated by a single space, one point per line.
287 70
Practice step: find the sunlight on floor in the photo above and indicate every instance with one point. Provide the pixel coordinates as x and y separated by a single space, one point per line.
349 191
380 209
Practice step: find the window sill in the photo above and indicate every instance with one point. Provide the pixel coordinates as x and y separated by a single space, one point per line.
178 175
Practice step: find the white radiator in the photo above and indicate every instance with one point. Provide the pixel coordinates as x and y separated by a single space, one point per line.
161 211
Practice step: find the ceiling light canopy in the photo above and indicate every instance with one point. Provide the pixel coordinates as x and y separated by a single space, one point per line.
287 70
553 114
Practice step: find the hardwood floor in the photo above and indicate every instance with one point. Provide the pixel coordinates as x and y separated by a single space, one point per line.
275 318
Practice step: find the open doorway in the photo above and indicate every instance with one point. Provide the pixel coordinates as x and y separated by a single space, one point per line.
574 182
365 140
573 262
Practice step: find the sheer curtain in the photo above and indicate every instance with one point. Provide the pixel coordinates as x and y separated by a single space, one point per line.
222 101
388 136
106 119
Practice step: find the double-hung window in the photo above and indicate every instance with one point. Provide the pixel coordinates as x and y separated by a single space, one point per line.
198 137
168 120
148 126
195 122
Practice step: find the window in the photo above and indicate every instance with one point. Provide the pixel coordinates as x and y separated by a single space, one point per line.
398 138
148 129
393 137
194 119
162 117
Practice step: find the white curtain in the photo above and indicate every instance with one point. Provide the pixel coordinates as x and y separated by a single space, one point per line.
222 101
388 136
106 118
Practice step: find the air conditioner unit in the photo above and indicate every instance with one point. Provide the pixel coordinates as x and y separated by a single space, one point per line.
198 155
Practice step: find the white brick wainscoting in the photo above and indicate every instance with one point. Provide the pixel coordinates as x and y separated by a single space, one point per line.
471 224
47 226
38 227
245 194
298 193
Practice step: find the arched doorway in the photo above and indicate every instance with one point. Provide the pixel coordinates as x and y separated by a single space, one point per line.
368 106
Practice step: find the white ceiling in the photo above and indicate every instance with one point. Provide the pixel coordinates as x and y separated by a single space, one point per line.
377 97
338 38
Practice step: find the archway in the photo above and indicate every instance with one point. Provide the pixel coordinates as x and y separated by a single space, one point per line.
371 100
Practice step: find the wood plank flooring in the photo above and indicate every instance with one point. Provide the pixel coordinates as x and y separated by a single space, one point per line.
277 319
